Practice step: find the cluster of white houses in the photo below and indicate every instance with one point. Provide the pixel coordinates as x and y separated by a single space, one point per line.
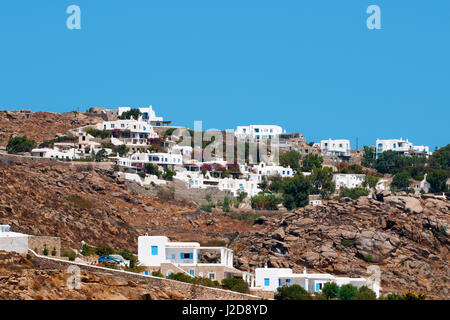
158 253
139 136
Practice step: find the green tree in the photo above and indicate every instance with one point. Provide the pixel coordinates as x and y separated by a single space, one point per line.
135 113
20 144
438 180
291 159
364 293
368 158
103 249
100 155
152 169
440 159
293 292
322 181
295 191
347 292
386 161
401 181
311 161
265 200
370 181
168 174
330 290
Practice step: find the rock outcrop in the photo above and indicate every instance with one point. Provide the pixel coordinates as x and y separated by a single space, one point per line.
406 236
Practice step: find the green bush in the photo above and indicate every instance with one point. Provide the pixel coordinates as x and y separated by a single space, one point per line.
87 250
330 290
236 284
54 251
20 144
69 253
206 207
103 134
103 250
364 293
157 274
226 204
168 174
45 251
347 292
264 200
353 193
293 292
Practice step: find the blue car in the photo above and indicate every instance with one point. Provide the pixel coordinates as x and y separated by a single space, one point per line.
109 259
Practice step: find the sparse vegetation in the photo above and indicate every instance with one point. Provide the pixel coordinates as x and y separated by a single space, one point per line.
20 144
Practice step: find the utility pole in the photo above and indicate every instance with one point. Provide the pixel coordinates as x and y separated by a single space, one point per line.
356 142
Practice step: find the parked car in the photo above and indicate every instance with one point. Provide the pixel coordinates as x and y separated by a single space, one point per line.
114 258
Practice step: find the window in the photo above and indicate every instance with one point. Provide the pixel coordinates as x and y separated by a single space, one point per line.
192 272
154 250
288 280
266 282
185 255
146 272
212 275
319 286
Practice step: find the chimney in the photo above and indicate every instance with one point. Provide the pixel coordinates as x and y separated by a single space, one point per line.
304 270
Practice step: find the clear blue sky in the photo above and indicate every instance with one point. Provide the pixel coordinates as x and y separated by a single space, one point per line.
310 66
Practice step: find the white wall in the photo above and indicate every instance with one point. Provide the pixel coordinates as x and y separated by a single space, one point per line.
17 243
273 274
145 244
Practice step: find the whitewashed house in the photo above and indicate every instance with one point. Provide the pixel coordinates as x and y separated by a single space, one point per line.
339 147
271 278
400 146
159 253
147 115
256 132
350 181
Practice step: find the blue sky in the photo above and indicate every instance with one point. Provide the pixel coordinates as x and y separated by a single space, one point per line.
310 66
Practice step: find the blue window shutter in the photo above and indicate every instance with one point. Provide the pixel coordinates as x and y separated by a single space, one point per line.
181 255
317 287
191 255
146 272
198 256
154 250
279 282
266 282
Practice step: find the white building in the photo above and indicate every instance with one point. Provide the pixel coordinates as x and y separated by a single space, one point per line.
159 253
266 170
56 153
257 132
401 146
349 181
271 278
12 241
340 147
147 115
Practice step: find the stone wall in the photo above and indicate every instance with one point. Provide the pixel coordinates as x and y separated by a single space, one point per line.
265 294
39 243
182 192
191 292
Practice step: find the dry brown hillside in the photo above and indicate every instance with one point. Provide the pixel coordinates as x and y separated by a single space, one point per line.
82 202
40 126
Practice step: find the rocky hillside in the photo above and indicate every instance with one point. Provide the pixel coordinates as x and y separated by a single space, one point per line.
21 280
78 201
405 236
40 126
